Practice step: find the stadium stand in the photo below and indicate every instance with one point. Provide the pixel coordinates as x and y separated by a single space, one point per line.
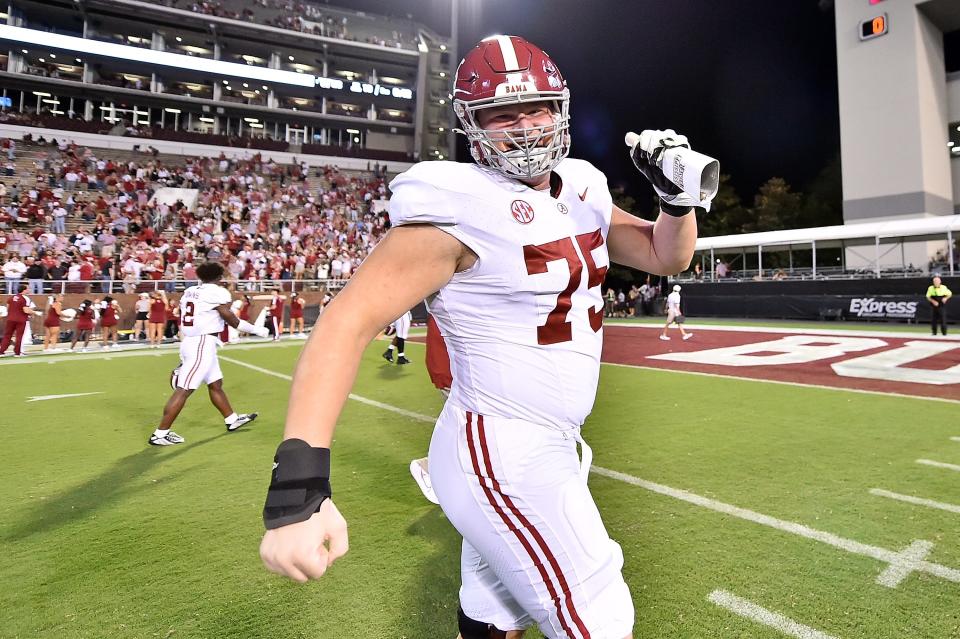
88 217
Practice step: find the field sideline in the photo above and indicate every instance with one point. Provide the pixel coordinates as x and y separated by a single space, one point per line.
744 508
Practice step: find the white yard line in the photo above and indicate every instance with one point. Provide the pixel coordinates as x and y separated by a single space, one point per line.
783 383
919 501
855 547
795 331
43 398
896 573
955 439
132 351
936 464
890 557
748 609
357 398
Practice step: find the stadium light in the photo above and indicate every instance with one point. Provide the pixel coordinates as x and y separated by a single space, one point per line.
353 130
171 110
74 44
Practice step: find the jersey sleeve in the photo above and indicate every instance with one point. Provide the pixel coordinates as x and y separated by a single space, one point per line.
221 296
419 198
432 193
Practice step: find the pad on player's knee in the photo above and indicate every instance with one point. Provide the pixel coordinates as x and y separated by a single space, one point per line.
473 629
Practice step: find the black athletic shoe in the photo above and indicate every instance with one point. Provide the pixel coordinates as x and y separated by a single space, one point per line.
388 355
402 360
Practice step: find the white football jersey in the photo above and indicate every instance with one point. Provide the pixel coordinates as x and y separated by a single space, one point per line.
523 325
198 309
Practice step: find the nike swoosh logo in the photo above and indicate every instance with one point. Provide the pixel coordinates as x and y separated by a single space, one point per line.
583 196
275 464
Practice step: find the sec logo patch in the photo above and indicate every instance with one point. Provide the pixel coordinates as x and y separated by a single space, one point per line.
522 211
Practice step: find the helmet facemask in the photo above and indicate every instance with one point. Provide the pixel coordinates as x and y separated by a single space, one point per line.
530 151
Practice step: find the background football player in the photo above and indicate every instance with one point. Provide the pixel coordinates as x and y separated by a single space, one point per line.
400 330
203 311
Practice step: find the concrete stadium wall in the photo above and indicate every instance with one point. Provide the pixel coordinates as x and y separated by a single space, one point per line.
894 110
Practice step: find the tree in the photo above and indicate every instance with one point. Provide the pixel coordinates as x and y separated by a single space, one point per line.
727 214
823 201
775 207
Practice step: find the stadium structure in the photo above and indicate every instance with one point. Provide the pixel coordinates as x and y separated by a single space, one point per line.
900 151
319 82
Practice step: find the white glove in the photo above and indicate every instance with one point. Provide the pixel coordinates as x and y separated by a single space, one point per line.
646 151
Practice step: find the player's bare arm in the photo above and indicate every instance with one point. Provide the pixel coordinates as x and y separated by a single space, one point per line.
228 315
664 247
409 264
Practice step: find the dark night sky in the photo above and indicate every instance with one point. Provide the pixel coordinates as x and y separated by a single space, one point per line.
752 83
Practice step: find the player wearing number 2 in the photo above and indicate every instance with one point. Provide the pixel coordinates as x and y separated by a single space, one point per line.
510 253
203 310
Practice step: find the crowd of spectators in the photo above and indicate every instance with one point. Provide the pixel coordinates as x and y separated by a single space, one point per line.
257 217
295 16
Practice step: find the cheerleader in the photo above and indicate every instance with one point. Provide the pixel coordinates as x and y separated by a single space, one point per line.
51 322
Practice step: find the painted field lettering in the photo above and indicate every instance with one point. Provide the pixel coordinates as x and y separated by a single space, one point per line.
891 364
793 349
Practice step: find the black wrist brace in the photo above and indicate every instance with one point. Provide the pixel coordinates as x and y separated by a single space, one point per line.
299 484
675 211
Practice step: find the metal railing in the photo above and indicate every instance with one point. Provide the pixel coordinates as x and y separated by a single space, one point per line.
108 286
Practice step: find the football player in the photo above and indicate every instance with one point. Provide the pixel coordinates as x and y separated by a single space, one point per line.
203 311
510 253
400 329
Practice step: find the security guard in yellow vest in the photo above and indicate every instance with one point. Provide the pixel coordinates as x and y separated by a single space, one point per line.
937 295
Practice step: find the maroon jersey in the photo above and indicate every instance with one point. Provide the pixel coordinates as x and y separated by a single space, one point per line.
85 319
276 307
15 306
108 317
158 312
245 311
296 308
52 319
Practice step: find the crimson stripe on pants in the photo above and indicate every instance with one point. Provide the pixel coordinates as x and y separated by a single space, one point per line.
541 542
196 364
551 589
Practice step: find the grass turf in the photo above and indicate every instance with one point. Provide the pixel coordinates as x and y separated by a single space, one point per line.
103 536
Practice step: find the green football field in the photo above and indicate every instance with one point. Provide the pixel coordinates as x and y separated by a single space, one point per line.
744 508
